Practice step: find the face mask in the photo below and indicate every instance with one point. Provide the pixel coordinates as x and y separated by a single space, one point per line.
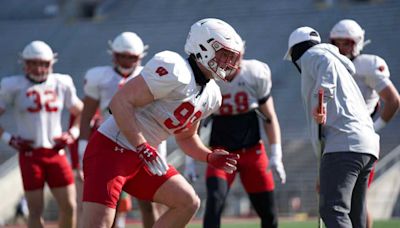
125 71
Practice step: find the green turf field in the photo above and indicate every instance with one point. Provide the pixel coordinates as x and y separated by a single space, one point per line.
287 224
253 223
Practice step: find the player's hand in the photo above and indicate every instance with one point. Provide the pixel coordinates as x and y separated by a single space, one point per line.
21 144
62 141
190 170
78 174
221 159
276 165
154 163
275 162
319 117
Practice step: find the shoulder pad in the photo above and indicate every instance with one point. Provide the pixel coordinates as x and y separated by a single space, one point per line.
169 66
371 65
94 76
65 79
11 83
257 69
166 71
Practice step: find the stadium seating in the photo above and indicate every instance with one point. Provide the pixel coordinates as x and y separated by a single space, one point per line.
265 25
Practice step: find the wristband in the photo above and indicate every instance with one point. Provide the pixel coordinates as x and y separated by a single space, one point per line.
74 132
379 124
6 137
276 151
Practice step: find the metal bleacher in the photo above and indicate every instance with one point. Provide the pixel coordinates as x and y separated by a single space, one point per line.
265 25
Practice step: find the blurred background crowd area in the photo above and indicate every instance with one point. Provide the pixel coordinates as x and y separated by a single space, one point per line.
79 31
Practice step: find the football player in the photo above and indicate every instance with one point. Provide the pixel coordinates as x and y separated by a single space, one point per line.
169 97
245 96
37 98
372 76
101 83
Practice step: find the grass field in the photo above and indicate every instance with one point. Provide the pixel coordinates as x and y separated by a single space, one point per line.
254 223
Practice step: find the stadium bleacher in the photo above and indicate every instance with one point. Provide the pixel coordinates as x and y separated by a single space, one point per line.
163 24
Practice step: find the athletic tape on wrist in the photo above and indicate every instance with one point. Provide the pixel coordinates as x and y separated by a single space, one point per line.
74 132
276 150
6 137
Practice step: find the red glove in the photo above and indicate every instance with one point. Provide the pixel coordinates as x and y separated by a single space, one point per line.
21 144
221 159
62 141
154 163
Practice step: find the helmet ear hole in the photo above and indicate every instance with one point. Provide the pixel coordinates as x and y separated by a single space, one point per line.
198 56
202 47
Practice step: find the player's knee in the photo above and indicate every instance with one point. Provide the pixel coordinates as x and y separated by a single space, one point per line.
35 213
327 211
193 204
68 208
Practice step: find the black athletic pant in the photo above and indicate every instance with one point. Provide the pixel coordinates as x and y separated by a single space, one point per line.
217 191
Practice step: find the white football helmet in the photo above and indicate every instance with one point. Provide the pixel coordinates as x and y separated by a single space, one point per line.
128 42
216 45
39 50
349 29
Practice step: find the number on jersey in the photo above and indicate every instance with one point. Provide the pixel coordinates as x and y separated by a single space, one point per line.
184 117
49 97
241 103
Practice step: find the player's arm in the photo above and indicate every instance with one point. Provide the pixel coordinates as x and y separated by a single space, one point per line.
16 142
391 99
135 93
6 96
273 131
71 135
90 106
271 123
76 111
190 142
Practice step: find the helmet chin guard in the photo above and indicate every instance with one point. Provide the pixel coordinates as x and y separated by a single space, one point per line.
215 45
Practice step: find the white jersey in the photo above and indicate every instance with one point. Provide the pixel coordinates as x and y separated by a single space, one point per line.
372 76
251 84
101 83
38 106
179 101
